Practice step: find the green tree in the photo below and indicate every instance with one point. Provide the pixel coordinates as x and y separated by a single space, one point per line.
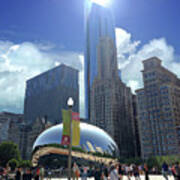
8 151
153 162
25 163
13 163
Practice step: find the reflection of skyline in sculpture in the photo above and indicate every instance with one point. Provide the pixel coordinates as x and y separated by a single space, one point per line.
98 23
93 139
90 146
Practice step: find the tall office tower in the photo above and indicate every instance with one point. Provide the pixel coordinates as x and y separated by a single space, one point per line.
98 23
111 101
159 110
47 94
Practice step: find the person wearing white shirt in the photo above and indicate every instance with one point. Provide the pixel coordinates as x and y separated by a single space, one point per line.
114 173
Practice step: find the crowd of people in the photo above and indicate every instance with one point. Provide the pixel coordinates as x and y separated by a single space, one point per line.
23 174
118 171
113 171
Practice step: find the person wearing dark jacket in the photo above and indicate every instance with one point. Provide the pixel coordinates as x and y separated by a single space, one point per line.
18 174
146 170
25 175
37 173
136 172
97 175
165 170
29 175
177 169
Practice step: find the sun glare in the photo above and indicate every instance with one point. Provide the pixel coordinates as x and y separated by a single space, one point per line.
101 2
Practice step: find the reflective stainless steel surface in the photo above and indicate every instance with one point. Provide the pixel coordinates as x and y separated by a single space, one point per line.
92 138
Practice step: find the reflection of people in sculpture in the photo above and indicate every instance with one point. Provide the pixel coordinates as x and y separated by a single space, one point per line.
76 172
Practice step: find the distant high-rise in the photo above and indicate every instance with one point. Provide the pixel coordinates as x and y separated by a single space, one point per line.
47 94
159 110
98 23
111 101
9 126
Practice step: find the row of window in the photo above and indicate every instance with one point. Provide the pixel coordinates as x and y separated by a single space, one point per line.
149 75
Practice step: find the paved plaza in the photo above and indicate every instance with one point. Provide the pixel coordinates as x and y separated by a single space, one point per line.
152 177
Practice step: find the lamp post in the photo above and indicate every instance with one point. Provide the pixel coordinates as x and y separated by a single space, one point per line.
70 104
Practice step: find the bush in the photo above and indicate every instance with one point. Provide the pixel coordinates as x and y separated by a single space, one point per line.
13 163
129 161
157 161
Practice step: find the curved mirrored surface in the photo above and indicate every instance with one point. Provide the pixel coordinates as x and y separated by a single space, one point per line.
92 139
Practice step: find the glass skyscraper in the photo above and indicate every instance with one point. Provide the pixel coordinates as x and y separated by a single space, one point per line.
47 94
99 22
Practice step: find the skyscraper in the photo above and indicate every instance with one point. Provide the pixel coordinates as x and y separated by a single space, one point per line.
111 102
47 94
98 23
159 110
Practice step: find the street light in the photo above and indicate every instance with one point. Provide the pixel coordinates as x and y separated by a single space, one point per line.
70 104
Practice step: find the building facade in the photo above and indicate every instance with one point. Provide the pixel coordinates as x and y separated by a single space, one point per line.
136 127
158 110
98 23
111 101
14 129
9 127
29 133
47 94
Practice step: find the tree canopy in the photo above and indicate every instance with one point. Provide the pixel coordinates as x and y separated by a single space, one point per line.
8 151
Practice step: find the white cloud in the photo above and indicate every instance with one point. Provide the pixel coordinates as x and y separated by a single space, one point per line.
125 46
124 43
20 62
130 57
133 84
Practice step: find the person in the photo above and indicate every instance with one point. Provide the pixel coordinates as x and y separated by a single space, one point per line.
136 173
29 174
49 174
1 172
177 168
18 174
146 170
6 173
173 171
25 174
42 173
103 177
165 169
129 172
120 171
97 174
105 172
37 172
76 171
85 173
114 173
91 171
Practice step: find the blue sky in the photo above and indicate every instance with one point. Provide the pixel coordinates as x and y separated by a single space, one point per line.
36 35
61 21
